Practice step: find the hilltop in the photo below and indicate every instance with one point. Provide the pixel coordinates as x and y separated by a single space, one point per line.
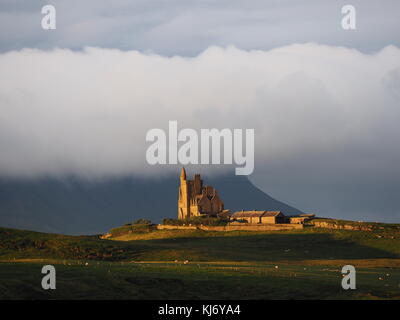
138 242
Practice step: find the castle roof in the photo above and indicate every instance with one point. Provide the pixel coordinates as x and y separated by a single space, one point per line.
256 214
183 174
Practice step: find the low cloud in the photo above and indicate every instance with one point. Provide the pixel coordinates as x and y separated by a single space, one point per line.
322 115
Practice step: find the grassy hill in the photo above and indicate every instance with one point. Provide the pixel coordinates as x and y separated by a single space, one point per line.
143 263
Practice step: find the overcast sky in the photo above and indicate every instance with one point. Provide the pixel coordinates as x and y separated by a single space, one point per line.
188 27
324 102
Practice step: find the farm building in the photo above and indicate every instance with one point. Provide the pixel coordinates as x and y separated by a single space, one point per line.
254 217
301 219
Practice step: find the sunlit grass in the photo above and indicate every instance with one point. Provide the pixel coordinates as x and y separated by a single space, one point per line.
196 264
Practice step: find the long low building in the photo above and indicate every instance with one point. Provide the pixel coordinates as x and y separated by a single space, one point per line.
257 216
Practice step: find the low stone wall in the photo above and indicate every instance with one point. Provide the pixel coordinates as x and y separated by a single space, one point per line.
333 225
236 227
171 227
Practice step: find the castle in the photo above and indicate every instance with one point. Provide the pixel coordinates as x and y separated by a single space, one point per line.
196 200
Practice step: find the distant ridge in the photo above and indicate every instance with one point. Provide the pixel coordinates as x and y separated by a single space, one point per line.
75 206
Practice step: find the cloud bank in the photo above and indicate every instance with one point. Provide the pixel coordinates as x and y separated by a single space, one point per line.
323 115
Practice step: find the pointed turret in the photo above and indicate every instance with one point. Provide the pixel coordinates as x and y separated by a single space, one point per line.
183 174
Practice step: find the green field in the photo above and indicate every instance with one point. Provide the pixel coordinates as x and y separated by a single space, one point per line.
143 263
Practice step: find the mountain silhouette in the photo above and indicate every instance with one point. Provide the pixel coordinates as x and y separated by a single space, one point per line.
78 206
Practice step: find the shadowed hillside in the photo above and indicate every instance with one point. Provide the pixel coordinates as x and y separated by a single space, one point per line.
301 264
199 245
74 206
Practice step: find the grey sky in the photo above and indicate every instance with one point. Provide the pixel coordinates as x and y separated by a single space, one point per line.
327 137
188 27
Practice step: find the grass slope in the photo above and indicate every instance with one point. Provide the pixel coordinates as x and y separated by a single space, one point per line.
301 264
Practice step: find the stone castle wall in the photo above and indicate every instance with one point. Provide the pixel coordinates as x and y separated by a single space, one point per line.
233 227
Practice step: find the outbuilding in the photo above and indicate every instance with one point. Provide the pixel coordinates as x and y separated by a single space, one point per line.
258 216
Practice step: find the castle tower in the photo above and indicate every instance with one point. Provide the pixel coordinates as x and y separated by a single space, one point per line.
183 200
197 184
183 174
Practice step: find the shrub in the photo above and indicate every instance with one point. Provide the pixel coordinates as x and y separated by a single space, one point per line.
142 221
132 228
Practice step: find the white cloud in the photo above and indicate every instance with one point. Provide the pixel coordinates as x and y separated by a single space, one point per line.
87 113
